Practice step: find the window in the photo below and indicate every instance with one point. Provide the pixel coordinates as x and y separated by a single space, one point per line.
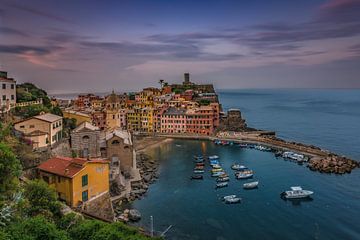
115 142
84 180
85 196
31 126
3 86
22 126
59 179
12 86
4 97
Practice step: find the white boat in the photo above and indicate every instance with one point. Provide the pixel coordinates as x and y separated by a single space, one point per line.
237 167
228 197
213 157
198 171
217 174
222 184
296 192
233 200
244 175
222 179
251 185
216 166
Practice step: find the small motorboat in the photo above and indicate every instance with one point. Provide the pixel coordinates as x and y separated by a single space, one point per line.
243 145
244 175
200 164
223 179
217 174
213 157
251 185
228 197
296 192
197 177
198 171
221 184
233 200
199 168
216 166
199 160
214 170
238 167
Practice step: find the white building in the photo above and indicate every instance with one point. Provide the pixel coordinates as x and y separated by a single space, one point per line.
7 92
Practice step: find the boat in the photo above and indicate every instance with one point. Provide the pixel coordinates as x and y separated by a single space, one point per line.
217 174
213 157
217 170
293 156
244 175
199 168
200 164
251 185
216 166
221 184
238 167
243 145
197 177
198 171
233 200
262 148
223 179
296 192
228 197
199 160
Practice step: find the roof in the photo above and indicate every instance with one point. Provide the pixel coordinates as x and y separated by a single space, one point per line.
125 135
66 167
48 117
86 125
175 111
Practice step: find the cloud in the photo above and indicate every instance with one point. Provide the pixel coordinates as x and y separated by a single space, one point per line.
22 49
12 31
37 12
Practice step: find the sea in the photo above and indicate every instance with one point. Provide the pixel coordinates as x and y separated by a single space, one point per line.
192 209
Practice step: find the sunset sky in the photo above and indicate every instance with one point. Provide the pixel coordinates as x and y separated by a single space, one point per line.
95 46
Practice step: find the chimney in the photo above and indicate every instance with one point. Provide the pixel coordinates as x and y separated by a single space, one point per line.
66 171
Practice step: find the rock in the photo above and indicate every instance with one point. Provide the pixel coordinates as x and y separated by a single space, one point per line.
134 215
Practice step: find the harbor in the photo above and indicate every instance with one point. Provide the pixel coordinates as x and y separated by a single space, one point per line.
173 193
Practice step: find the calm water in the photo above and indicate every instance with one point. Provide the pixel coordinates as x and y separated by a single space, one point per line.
328 118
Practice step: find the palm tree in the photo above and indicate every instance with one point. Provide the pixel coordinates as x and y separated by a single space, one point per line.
161 81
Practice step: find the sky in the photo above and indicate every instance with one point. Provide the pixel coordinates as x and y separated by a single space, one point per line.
74 46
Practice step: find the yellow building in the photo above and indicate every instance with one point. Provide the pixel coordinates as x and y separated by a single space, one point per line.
76 180
79 116
42 130
113 105
133 119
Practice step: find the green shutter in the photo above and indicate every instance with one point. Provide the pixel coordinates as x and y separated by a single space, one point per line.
84 180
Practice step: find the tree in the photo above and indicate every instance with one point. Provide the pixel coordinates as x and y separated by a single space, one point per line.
10 169
35 228
161 82
56 110
85 229
42 199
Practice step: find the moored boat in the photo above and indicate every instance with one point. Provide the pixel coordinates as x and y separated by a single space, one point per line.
296 192
238 167
233 200
228 197
217 170
251 185
199 171
223 179
199 168
217 174
241 175
216 166
221 184
213 157
197 177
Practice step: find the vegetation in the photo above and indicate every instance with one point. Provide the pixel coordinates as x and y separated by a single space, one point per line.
29 92
204 102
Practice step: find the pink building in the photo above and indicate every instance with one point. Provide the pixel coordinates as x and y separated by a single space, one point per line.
173 120
200 120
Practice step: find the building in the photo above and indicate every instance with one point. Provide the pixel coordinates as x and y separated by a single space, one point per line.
7 92
200 120
173 120
99 119
79 116
85 140
112 110
41 130
119 149
76 180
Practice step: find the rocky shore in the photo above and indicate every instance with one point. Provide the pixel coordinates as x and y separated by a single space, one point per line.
333 164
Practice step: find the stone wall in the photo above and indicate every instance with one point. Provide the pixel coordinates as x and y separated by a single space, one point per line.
86 143
233 121
117 149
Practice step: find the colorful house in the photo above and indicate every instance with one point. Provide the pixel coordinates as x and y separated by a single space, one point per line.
42 130
76 180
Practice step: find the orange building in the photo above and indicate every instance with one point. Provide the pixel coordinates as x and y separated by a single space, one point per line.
76 180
